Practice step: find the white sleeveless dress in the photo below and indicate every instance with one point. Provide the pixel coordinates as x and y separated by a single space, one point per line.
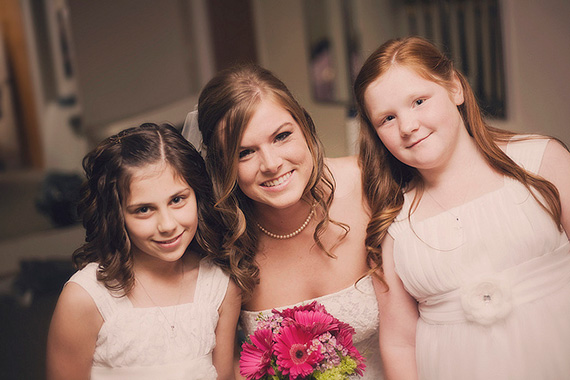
355 305
137 343
493 288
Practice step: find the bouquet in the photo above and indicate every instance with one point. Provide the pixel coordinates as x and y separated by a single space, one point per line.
303 342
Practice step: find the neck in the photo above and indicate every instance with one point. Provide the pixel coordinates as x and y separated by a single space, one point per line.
463 163
283 221
151 266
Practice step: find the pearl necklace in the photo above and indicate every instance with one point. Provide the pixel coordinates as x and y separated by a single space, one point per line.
173 323
294 233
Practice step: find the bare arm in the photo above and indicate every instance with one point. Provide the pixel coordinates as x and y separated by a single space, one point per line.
223 355
555 168
398 314
72 335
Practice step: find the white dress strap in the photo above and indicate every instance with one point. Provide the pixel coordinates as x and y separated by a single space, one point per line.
106 303
528 153
211 285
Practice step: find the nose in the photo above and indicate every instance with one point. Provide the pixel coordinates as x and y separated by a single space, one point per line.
270 160
166 222
408 125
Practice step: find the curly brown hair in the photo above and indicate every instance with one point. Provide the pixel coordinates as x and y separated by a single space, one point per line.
385 178
225 107
108 175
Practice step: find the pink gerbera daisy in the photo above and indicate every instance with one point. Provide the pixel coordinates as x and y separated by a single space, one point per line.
255 359
315 322
290 312
293 354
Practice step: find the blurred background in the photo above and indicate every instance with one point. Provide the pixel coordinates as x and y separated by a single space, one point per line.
73 72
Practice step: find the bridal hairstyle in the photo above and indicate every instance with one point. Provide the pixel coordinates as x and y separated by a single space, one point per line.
225 107
385 178
108 169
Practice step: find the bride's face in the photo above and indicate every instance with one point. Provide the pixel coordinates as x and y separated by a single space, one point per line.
275 163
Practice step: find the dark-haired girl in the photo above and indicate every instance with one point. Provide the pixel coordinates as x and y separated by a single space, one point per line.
146 303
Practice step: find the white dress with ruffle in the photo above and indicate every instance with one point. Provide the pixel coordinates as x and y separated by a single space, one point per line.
138 343
355 305
492 280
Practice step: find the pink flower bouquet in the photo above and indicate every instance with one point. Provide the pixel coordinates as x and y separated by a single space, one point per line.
303 342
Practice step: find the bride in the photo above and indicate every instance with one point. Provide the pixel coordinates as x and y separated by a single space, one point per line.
296 222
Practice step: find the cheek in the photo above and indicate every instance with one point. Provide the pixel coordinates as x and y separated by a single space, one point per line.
388 138
303 154
245 174
246 178
189 214
137 229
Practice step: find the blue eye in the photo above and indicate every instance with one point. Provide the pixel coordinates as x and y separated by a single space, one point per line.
282 136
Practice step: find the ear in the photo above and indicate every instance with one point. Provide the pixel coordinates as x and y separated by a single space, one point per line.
456 91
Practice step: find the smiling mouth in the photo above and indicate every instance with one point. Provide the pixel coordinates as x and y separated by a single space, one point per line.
417 142
166 242
278 181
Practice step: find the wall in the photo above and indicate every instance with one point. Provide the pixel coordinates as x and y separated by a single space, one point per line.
537 57
282 49
536 50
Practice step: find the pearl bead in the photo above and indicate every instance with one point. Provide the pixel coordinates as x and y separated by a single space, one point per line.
292 234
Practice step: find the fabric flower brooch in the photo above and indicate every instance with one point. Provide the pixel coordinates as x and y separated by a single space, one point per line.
486 300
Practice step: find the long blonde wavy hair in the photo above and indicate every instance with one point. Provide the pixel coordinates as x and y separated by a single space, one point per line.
225 107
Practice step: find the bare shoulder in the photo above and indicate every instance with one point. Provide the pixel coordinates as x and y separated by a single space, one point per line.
555 162
555 167
346 173
555 150
232 299
343 164
72 334
75 303
233 294
75 294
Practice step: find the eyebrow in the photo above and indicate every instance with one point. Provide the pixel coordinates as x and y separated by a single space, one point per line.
146 204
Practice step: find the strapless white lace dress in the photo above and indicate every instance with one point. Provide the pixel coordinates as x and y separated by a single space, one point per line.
355 305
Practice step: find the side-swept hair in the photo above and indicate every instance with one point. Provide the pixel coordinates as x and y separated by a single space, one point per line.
225 107
108 171
385 178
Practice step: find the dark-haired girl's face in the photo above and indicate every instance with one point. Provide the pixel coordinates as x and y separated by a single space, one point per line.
160 213
275 163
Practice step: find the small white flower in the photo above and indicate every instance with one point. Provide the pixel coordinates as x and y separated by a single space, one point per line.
486 300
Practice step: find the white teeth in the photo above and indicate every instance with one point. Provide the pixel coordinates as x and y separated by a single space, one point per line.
169 241
277 181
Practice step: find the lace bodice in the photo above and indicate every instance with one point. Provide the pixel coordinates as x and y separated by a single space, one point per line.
355 305
138 342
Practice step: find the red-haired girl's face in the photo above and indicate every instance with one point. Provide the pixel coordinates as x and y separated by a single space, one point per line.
417 119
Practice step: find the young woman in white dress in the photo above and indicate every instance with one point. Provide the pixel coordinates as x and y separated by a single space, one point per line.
478 247
298 220
146 303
